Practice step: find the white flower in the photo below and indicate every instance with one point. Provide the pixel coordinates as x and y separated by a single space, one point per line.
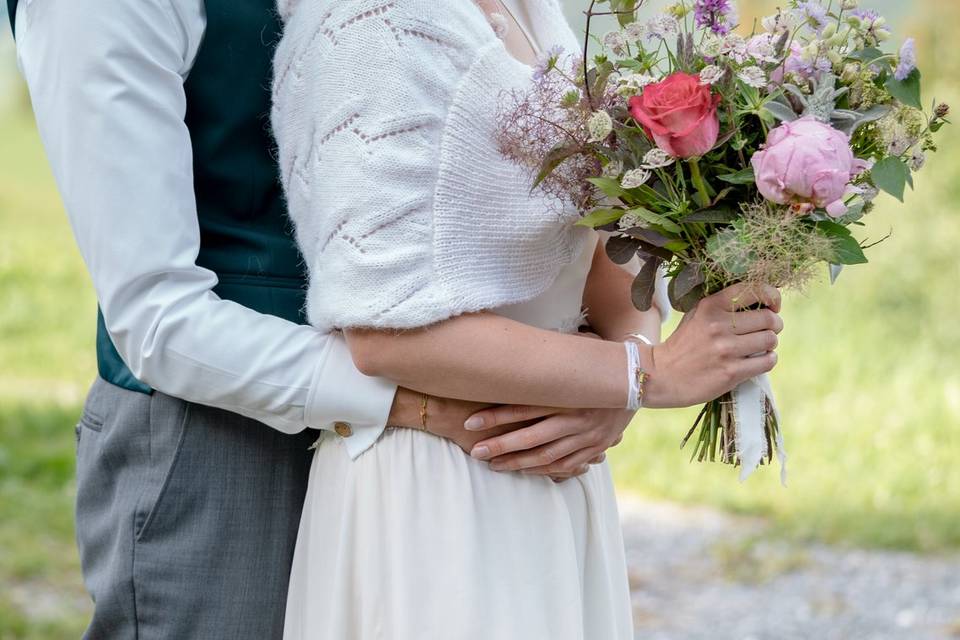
712 46
657 158
753 76
735 46
634 178
761 48
613 169
711 74
849 4
632 84
600 125
917 159
662 26
634 31
615 41
631 221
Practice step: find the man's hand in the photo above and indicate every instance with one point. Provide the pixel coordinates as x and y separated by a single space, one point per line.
445 418
561 444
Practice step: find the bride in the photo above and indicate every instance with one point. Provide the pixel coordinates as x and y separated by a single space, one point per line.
448 276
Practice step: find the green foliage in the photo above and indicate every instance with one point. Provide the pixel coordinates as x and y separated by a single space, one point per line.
906 91
891 175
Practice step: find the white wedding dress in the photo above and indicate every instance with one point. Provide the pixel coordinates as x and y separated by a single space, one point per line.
415 540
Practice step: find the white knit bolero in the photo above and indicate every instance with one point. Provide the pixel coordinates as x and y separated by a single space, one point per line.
385 115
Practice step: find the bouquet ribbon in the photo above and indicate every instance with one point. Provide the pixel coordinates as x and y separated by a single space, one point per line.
750 407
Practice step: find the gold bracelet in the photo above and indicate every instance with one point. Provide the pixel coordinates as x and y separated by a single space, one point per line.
424 399
642 377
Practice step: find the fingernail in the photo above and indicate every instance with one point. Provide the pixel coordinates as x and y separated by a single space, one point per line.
480 452
474 423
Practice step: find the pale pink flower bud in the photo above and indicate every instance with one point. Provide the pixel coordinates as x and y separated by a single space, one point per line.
806 162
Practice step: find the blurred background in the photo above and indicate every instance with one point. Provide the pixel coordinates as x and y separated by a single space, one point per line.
863 543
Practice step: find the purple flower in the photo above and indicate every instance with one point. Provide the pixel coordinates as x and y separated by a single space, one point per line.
908 60
714 14
547 62
814 13
867 15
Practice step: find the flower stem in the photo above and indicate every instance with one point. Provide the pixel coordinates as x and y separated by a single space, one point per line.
703 196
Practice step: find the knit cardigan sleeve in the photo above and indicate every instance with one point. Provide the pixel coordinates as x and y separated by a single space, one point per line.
385 118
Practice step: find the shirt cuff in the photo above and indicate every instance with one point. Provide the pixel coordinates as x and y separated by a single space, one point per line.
345 401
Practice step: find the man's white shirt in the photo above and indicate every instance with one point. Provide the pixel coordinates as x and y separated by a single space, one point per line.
107 89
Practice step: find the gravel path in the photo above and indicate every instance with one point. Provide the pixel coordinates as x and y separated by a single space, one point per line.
699 574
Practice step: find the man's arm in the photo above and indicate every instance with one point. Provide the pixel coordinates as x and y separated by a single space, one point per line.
106 81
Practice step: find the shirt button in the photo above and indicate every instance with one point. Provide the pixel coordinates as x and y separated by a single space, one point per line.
343 429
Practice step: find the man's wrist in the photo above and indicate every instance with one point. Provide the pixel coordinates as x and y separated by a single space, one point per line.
405 411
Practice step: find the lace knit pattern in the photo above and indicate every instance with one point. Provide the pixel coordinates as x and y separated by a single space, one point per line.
385 117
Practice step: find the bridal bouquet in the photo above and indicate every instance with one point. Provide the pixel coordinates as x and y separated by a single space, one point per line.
724 158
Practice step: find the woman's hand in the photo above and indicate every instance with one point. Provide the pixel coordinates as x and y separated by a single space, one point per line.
716 347
562 444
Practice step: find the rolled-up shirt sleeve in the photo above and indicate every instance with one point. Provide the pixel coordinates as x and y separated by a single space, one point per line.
106 83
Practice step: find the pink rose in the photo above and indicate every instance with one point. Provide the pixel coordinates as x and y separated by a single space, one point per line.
806 163
679 114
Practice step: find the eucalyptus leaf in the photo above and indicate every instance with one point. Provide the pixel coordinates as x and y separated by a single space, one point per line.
891 175
835 270
906 91
846 249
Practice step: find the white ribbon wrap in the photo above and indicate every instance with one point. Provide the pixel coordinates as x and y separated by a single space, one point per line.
749 403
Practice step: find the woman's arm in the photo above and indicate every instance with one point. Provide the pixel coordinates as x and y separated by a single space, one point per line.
609 306
487 358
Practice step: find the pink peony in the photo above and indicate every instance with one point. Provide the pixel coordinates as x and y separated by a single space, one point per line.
806 163
679 114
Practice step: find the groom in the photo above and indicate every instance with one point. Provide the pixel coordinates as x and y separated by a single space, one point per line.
154 117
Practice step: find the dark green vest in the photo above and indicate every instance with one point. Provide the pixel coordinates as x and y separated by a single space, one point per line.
246 237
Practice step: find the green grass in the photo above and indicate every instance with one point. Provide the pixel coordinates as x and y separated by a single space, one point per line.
47 361
868 385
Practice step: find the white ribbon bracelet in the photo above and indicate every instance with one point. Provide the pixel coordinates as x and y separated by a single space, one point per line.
634 373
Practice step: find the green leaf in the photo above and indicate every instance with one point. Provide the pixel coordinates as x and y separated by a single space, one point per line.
621 249
645 284
744 176
713 216
554 159
600 217
891 174
846 249
657 219
626 11
868 55
780 111
609 186
906 91
689 278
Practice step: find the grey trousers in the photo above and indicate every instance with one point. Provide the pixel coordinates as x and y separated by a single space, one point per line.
186 518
